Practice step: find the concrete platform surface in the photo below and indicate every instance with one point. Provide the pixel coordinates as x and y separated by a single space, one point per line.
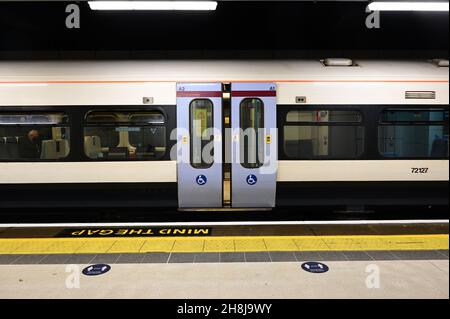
346 279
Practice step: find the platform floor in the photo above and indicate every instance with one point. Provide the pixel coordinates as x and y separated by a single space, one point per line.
244 262
424 279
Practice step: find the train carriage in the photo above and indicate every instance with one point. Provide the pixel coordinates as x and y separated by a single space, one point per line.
333 132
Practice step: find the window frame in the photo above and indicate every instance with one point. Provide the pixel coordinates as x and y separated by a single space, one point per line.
283 111
191 145
258 164
27 110
380 123
93 109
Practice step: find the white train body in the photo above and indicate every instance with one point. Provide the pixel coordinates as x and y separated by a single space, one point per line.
300 85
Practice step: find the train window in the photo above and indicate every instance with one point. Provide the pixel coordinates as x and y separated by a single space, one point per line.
327 116
413 133
252 139
324 134
202 137
34 136
125 135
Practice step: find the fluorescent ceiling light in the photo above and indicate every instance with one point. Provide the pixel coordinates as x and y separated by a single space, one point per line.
154 5
408 6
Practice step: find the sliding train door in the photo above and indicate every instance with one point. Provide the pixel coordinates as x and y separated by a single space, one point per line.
254 145
251 145
199 145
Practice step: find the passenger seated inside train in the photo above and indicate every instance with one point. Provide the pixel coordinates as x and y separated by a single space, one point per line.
30 145
35 144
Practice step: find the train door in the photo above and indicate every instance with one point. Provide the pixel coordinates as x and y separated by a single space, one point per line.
254 145
199 145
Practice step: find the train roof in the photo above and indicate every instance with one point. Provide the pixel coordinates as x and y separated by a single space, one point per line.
219 71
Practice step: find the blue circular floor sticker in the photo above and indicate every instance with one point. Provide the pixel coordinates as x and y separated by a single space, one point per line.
252 179
201 180
315 267
95 270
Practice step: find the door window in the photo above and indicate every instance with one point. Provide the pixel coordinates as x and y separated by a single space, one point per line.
201 131
252 133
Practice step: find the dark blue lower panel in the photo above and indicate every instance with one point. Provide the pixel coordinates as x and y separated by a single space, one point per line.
165 195
362 193
89 195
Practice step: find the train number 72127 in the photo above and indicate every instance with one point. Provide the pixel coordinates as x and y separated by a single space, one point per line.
417 170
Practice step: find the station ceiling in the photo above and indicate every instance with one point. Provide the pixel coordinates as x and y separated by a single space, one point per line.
237 29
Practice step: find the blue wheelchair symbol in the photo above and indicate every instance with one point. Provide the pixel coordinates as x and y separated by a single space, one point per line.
201 180
252 179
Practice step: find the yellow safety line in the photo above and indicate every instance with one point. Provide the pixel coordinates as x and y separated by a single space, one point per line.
95 245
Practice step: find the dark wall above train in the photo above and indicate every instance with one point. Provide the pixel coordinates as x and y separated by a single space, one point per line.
31 30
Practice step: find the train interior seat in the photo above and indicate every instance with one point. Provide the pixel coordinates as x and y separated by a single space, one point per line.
13 146
3 148
118 152
93 146
300 148
9 147
49 150
62 148
55 149
439 148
